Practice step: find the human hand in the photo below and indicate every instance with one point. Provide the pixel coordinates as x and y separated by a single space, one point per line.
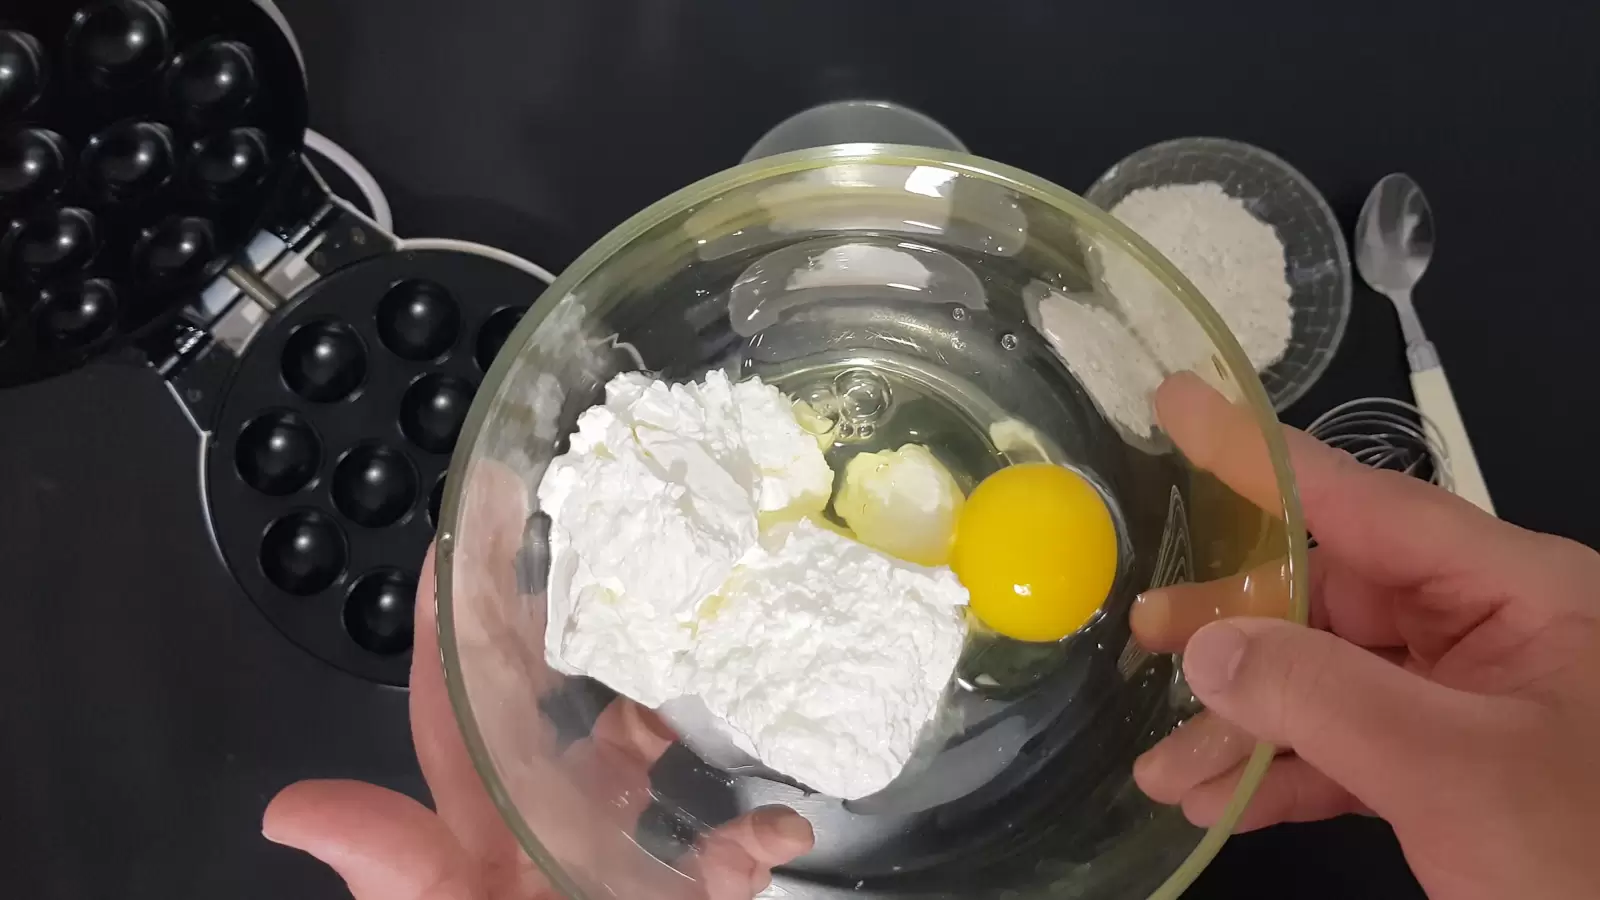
1450 682
387 846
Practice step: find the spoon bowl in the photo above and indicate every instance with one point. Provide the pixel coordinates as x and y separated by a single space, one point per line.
1394 236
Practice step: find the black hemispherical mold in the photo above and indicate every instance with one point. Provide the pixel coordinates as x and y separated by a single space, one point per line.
418 320
379 610
229 162
324 361
32 162
129 160
22 71
374 485
119 43
369 415
52 243
278 453
175 249
492 336
433 410
76 314
303 553
213 81
105 175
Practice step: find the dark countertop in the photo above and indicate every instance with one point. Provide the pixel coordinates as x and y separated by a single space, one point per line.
150 711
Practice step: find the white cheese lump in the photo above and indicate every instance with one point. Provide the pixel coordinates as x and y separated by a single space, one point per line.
827 657
820 656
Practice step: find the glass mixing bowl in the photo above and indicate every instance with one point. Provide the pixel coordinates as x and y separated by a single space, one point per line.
905 291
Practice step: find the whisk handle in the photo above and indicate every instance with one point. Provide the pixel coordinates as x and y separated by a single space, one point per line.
1438 405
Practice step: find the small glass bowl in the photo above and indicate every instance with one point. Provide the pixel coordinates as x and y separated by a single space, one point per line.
1314 246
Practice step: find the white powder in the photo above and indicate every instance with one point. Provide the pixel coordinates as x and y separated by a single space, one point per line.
817 654
1234 259
1115 369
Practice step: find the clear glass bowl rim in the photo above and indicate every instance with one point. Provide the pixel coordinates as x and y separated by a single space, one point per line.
1089 216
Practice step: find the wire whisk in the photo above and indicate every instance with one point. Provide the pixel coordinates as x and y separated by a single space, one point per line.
1385 433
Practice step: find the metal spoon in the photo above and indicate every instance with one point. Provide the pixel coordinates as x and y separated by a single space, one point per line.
1394 242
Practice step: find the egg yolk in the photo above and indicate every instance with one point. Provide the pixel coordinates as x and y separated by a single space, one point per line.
1037 551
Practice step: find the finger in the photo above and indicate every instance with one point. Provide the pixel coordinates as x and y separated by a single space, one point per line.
458 792
384 845
1342 601
495 507
613 763
1292 791
736 860
490 620
1346 603
1201 749
1219 437
1395 529
1164 619
1391 737
634 730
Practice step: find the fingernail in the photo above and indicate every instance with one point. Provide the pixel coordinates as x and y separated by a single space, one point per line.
1213 657
1143 764
1151 615
783 824
1150 776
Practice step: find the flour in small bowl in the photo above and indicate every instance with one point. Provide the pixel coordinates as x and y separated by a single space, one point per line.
1234 259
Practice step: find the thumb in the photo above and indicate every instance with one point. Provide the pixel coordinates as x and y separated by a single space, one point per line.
385 845
1386 735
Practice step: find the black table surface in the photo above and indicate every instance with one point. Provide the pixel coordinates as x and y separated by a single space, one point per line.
148 710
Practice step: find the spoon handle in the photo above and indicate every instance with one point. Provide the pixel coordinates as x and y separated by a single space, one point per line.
1438 405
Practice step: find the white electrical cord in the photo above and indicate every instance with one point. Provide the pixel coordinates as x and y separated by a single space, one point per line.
494 253
356 172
